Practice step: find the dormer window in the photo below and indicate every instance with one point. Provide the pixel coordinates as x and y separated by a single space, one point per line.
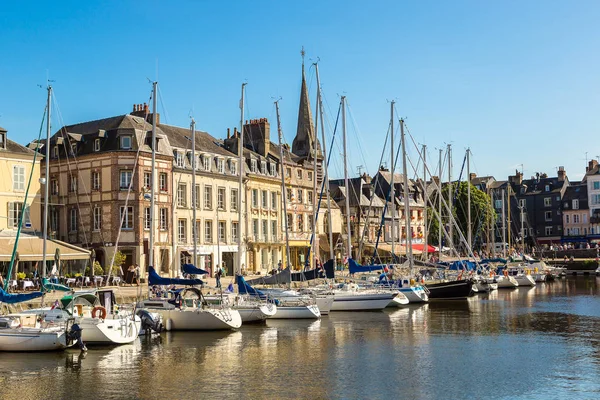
206 163
3 140
125 142
273 168
55 152
263 167
97 145
575 204
253 166
73 149
221 166
299 173
233 167
547 188
179 161
523 190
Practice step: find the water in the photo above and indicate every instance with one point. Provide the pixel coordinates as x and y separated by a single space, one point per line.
528 343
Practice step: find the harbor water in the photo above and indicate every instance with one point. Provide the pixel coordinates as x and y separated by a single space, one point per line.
526 343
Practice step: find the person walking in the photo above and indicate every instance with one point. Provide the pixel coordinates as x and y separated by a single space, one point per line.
218 277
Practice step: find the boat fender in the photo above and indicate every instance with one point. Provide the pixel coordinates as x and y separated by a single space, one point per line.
168 324
102 312
491 274
505 272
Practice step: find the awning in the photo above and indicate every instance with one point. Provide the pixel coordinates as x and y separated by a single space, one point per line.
30 248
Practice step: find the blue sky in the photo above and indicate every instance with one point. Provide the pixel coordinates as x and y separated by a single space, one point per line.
515 81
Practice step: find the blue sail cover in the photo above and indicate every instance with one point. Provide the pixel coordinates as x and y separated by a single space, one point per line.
48 286
356 267
327 271
245 288
192 270
493 260
462 265
10 298
155 279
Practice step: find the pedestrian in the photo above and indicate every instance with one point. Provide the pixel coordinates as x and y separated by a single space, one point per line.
279 266
218 277
137 274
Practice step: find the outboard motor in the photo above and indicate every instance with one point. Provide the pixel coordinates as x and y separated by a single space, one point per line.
150 322
74 334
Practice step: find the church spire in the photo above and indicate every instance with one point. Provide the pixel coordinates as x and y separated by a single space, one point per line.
305 136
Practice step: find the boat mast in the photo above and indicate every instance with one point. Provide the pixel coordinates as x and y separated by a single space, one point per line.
426 199
314 202
503 227
240 182
283 192
349 249
392 169
152 187
440 207
522 231
47 184
509 230
325 173
409 253
469 228
450 227
194 194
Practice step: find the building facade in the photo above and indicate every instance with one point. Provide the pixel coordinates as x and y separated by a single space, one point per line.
575 212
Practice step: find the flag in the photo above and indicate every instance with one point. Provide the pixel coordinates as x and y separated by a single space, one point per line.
55 305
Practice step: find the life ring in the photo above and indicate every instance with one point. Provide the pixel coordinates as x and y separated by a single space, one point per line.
102 312
491 274
505 272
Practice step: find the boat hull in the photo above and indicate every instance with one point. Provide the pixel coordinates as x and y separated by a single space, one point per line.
361 302
415 294
324 303
32 340
199 320
450 290
297 312
525 280
256 313
110 331
506 282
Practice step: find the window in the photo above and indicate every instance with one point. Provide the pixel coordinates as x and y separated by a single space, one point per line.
222 231
54 186
164 219
97 222
233 167
163 182
147 220
221 166
596 199
265 230
18 177
300 196
126 216
547 201
125 180
255 229
2 141
15 210
548 231
575 231
547 188
198 230
548 215
309 177
523 190
273 168
576 219
263 167
255 198
72 183
253 166
54 217
299 173
73 149
288 172
575 204
73 220
208 197
96 144
221 198
182 195
55 152
300 219
234 231
310 196
147 180
566 218
585 218
95 180
234 199
290 222
181 231
597 185
265 199
274 230
274 200
206 163
288 195
522 203
125 142
179 159
207 231
498 204
197 197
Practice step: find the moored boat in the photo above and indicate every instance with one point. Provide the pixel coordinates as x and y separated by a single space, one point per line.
450 290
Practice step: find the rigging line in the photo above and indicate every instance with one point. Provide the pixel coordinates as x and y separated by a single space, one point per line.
356 132
135 164
20 224
162 104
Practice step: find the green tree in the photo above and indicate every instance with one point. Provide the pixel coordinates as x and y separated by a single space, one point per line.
118 262
482 214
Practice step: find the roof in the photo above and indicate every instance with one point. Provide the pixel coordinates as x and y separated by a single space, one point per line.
497 184
576 192
178 137
538 186
14 147
30 248
478 180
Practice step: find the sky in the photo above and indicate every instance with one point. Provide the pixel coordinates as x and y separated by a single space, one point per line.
516 82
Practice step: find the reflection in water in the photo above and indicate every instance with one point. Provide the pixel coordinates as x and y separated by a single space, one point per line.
535 343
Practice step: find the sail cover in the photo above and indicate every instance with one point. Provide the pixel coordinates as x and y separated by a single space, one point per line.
48 286
279 278
10 298
463 265
155 279
356 267
245 288
327 271
192 270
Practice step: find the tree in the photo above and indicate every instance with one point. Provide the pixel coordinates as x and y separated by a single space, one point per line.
118 262
482 215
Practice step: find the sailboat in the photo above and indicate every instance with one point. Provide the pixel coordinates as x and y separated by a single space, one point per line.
187 310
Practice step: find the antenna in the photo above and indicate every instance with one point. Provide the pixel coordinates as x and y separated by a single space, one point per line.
360 168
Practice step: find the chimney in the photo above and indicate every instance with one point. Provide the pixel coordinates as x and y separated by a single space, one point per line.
228 133
591 165
235 133
258 133
562 174
472 176
145 108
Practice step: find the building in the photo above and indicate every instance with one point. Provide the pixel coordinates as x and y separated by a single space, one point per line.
215 198
575 212
100 178
592 181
